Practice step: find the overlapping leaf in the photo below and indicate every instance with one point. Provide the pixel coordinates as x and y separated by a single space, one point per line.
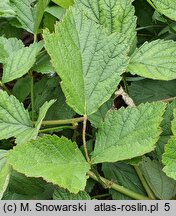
155 60
5 171
168 8
57 160
88 61
128 133
163 186
116 16
170 154
64 3
20 62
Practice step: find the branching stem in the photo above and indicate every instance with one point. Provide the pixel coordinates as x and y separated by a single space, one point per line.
117 187
62 122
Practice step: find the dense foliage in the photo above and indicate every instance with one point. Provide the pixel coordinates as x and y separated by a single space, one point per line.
87 99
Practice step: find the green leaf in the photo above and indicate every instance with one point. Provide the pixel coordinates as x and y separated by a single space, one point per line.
9 46
42 112
14 119
25 13
20 62
64 3
124 175
38 13
49 88
5 171
62 194
163 187
168 158
128 133
154 60
148 90
168 8
24 84
56 11
95 61
116 16
42 64
57 160
6 9
97 118
21 187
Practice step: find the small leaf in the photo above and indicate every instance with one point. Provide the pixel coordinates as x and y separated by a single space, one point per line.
20 62
155 60
168 8
14 119
57 160
38 13
64 3
63 194
95 60
5 171
22 83
128 133
42 113
56 11
163 186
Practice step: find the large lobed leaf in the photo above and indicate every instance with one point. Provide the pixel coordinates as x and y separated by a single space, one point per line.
88 61
128 133
155 60
115 15
57 160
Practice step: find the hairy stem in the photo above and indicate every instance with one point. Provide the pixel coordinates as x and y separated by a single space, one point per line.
144 183
84 139
62 122
118 188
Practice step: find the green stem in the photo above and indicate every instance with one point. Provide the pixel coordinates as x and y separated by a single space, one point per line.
2 85
167 100
32 94
56 128
118 188
125 84
62 122
152 4
84 139
144 183
100 196
35 38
